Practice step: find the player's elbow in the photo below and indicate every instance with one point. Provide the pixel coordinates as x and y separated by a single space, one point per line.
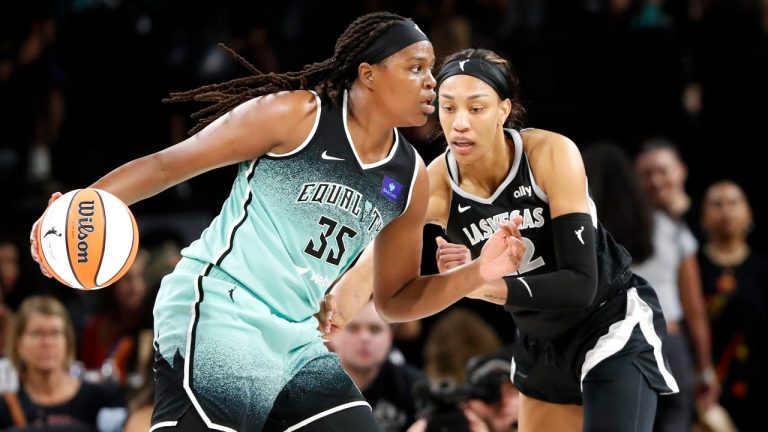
385 309
586 291
390 309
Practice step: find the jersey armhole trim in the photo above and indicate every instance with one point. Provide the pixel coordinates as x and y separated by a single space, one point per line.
536 188
311 132
413 181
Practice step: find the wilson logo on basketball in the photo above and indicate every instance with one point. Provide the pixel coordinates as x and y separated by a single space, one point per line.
99 241
84 227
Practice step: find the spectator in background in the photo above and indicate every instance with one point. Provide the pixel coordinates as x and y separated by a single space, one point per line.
363 346
674 272
16 283
140 401
621 206
735 283
496 400
41 345
458 335
110 339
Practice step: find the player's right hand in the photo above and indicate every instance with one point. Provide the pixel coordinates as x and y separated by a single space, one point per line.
33 236
502 253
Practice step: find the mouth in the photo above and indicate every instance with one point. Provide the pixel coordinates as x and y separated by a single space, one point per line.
427 106
462 145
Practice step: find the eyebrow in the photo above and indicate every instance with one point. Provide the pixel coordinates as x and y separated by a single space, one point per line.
470 97
419 59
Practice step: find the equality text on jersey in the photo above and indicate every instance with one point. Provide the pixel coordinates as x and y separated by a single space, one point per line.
343 197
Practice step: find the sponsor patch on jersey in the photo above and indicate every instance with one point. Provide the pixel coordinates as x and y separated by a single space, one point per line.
390 188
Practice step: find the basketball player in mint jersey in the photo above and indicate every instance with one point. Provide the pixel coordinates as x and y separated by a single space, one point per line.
589 330
321 173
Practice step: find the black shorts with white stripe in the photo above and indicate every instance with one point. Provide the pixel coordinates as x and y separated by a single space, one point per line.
628 328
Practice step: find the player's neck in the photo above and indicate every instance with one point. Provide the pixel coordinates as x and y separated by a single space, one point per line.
372 135
487 173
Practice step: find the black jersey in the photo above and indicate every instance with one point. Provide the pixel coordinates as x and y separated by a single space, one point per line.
472 220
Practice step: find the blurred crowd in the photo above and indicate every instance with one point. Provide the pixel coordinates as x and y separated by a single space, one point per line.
665 98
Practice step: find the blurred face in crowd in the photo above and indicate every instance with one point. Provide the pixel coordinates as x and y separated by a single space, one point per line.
502 415
43 343
471 116
725 211
9 264
364 343
131 289
662 176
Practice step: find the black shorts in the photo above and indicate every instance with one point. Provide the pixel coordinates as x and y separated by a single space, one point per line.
321 397
627 328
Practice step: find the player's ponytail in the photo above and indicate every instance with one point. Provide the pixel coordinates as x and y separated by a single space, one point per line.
329 78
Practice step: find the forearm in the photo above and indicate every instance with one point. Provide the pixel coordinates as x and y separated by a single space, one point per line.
698 331
694 311
136 180
427 295
493 292
559 290
573 285
354 289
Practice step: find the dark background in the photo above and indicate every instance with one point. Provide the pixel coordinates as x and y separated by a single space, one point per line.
83 80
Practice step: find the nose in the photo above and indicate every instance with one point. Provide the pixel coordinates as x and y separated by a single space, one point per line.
430 81
461 121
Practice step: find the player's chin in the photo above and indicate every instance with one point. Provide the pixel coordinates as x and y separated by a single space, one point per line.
418 118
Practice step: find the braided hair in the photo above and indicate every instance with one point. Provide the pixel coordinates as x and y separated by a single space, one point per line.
329 77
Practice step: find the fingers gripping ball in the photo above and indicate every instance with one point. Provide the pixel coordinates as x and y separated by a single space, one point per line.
87 239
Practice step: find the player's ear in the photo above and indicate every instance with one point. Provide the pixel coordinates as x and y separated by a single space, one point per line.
506 108
365 74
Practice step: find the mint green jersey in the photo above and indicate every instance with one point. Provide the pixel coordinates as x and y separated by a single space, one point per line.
294 223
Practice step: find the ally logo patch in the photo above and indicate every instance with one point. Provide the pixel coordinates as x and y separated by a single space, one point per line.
391 188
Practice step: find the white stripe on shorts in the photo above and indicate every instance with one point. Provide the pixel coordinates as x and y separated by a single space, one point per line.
326 413
162 425
638 312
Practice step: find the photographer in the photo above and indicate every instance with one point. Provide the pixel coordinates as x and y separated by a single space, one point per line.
488 401
499 405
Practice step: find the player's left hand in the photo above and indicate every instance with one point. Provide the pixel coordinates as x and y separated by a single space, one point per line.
450 255
502 253
330 321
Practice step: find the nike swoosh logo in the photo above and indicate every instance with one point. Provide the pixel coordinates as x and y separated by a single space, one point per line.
463 209
302 270
326 156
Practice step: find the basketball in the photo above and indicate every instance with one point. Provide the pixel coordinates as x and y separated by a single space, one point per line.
87 239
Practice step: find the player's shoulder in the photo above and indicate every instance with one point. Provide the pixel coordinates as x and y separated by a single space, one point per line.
543 144
545 140
437 166
294 103
437 170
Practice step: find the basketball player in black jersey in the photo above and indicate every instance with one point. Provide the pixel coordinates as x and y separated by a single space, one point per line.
590 331
588 352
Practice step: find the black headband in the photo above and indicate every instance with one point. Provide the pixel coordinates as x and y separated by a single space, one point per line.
400 35
479 68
